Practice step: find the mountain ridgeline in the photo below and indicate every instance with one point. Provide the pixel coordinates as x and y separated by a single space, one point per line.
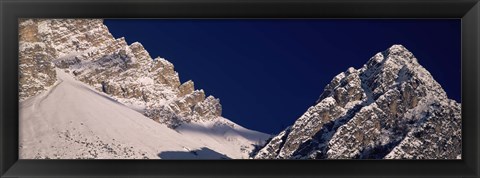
85 50
390 108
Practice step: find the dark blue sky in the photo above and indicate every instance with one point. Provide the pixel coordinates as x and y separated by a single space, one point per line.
268 72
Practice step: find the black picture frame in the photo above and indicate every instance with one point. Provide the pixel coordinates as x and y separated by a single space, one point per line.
467 10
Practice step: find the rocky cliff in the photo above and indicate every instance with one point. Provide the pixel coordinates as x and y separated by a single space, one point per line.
86 49
390 108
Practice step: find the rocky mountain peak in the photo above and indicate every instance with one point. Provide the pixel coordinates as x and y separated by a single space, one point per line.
395 56
367 112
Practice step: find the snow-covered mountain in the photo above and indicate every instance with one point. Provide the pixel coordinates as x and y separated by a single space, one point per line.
85 94
390 108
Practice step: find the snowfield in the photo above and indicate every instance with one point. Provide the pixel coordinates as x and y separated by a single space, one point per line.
71 120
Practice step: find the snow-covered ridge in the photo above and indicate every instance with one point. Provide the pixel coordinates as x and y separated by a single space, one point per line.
126 75
73 120
390 108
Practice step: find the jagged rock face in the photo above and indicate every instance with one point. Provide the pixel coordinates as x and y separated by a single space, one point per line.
207 108
433 136
86 49
38 72
42 41
272 149
390 108
186 88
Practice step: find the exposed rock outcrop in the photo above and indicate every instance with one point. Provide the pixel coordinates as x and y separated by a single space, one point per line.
86 49
390 108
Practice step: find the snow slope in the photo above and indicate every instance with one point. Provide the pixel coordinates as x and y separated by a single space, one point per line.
72 120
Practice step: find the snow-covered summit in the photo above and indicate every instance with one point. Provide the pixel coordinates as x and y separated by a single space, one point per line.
402 56
389 108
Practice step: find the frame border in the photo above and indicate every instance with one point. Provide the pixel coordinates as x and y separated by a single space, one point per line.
467 10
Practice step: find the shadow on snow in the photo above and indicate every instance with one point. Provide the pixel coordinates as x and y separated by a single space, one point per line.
203 153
